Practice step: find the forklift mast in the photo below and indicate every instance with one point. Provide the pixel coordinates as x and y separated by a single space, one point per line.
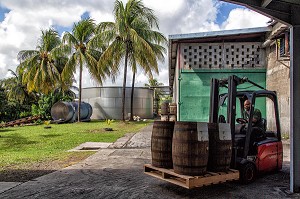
232 82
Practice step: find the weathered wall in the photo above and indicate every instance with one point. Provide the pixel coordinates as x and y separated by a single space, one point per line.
278 79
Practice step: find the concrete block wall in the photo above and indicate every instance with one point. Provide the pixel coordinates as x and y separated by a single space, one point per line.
223 55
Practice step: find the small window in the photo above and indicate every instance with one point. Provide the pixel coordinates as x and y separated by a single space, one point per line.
283 45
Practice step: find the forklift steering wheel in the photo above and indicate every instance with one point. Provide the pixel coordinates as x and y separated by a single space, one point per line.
241 121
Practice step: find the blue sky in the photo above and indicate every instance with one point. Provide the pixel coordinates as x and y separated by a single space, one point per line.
224 11
3 10
21 22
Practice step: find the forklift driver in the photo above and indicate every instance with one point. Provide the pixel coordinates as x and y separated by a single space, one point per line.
258 125
256 121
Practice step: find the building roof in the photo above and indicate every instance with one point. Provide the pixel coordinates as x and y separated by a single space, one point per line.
241 35
221 33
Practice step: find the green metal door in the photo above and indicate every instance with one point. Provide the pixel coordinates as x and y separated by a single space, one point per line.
194 90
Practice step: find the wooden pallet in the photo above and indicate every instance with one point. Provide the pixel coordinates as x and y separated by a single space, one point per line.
190 182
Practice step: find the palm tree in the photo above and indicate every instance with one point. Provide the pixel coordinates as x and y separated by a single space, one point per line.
38 66
83 51
131 38
15 89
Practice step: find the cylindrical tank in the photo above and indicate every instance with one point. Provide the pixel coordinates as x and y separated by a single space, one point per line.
107 102
190 148
85 110
67 111
220 147
161 144
62 111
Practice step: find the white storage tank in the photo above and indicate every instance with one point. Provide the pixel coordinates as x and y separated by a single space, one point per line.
107 102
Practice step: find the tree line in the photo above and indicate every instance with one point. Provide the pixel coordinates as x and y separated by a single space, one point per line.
46 74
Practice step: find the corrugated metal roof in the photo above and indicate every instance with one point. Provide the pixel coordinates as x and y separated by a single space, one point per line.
219 33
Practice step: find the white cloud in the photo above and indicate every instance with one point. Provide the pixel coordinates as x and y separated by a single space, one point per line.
244 18
23 24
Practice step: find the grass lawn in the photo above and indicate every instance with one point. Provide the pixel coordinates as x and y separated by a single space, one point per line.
20 146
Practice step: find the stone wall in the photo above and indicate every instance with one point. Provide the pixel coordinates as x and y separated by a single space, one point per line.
278 79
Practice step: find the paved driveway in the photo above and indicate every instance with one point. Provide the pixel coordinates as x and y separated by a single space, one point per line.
118 173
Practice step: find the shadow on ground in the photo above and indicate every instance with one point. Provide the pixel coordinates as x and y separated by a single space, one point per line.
133 183
22 175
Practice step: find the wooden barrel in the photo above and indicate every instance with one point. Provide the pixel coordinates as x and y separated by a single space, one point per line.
173 108
190 148
161 144
164 108
220 147
164 117
172 118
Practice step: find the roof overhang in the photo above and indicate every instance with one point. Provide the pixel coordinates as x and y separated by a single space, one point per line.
284 11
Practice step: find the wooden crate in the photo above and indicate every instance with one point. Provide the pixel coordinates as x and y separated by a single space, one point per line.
190 182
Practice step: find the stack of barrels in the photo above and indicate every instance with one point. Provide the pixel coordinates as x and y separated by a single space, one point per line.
172 112
168 111
191 148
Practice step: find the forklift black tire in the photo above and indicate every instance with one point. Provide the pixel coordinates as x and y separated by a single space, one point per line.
247 173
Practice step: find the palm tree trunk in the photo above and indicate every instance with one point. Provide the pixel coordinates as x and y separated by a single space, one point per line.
80 85
124 85
132 92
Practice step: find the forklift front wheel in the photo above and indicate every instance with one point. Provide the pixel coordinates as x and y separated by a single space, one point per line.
247 173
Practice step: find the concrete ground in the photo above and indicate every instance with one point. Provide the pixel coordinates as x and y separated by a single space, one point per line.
117 172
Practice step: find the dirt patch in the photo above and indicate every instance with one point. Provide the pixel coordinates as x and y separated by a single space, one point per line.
26 172
103 130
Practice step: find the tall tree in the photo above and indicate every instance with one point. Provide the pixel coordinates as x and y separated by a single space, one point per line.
131 38
83 51
38 66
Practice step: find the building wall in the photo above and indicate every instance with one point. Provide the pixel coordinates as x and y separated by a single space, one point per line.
200 62
278 79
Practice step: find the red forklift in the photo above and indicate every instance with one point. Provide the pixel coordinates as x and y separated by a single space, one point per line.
256 150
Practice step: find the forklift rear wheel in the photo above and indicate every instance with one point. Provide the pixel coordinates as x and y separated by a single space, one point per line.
247 173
